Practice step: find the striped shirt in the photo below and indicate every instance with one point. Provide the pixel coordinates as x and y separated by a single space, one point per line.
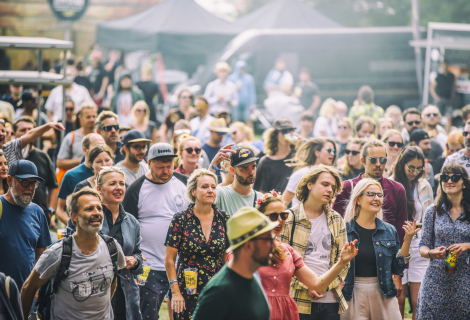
12 151
339 237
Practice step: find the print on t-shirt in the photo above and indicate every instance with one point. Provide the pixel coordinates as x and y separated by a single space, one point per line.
324 239
96 282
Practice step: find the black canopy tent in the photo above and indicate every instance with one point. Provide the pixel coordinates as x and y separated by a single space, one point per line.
291 14
179 27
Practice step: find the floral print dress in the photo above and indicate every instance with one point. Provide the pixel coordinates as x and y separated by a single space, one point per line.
443 295
185 234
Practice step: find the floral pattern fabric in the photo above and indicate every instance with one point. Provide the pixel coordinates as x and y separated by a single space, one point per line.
185 234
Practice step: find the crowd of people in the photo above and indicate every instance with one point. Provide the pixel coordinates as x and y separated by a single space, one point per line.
339 213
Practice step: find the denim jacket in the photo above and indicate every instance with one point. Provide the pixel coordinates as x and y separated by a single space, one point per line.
130 229
387 252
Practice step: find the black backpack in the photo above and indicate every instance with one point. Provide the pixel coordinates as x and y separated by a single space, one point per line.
48 289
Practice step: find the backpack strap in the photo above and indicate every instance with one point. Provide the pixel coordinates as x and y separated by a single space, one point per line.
63 271
7 286
113 252
256 198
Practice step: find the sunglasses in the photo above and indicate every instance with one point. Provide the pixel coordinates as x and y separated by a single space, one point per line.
333 151
432 114
465 133
286 131
354 153
221 133
26 183
186 97
274 216
191 150
398 144
417 122
200 106
139 147
453 178
110 128
372 195
69 109
412 169
374 160
342 127
141 111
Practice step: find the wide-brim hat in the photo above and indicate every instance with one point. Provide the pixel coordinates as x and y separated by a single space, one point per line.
283 124
246 224
218 125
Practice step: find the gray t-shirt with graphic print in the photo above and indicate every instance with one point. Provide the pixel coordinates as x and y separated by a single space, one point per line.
86 292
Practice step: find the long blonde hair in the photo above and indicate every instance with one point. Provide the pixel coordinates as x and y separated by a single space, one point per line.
352 209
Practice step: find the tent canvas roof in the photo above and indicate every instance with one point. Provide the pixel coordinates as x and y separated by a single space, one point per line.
171 23
286 14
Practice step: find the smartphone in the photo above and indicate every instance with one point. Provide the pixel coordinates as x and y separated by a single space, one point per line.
419 225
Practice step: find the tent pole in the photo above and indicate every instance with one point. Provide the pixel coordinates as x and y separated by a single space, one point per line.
415 21
38 118
427 66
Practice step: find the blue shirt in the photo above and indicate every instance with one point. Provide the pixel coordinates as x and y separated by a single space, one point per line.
22 230
72 178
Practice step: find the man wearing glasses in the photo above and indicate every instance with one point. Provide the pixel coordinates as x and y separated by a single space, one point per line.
463 156
24 233
135 145
108 127
374 157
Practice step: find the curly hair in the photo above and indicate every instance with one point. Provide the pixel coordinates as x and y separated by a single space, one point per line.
271 142
302 191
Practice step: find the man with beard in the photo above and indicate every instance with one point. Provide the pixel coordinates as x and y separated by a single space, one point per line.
87 290
463 156
107 126
24 233
134 147
235 292
243 166
153 199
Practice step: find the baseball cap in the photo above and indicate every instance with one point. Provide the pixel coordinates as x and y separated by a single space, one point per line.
242 156
24 169
134 136
283 124
218 125
160 150
418 135
26 96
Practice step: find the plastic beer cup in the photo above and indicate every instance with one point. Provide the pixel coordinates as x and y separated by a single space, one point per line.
190 277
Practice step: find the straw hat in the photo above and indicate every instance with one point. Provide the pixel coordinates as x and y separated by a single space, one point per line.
218 125
246 224
222 66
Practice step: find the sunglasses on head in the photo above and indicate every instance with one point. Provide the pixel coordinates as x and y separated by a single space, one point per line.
110 128
398 144
191 150
417 122
333 151
354 153
465 133
453 178
432 114
274 216
374 160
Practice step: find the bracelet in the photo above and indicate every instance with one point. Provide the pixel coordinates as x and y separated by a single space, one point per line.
217 169
429 254
173 281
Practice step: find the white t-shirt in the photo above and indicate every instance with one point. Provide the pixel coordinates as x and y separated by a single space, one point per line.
132 175
124 108
200 128
86 292
294 181
327 125
286 80
317 254
79 95
419 210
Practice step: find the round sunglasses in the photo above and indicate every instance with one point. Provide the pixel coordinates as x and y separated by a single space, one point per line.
333 151
274 216
191 150
374 160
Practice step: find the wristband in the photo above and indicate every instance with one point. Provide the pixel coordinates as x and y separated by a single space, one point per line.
429 254
217 169
172 281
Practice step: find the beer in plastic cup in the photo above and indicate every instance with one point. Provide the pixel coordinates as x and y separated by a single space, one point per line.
61 233
142 278
190 277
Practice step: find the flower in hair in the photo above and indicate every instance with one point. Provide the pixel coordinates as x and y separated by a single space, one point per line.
266 196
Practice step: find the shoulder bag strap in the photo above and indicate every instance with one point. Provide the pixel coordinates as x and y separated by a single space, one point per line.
291 240
433 223
63 270
7 286
1 209
256 198
71 145
114 229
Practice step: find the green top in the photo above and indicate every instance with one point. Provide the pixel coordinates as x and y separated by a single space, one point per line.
231 201
229 296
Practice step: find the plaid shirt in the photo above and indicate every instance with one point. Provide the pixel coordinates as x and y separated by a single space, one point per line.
339 238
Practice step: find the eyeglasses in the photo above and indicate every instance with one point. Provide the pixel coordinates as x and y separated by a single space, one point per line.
274 216
398 144
141 111
333 151
417 122
453 178
465 133
412 169
372 195
186 97
139 147
342 127
110 128
191 150
354 153
25 183
432 114
374 160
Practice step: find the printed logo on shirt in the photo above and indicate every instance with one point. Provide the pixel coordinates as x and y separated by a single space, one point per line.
244 153
178 200
94 283
314 241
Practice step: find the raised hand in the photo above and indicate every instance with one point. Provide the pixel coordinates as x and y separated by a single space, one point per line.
222 155
349 251
410 230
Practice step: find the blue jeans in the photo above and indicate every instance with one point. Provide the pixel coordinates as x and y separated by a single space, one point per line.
153 293
322 311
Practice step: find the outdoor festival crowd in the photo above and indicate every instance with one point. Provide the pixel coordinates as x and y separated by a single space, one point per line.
345 214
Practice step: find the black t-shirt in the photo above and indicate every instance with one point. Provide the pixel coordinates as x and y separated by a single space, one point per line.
96 77
45 171
150 89
366 262
83 81
309 90
273 174
444 85
109 219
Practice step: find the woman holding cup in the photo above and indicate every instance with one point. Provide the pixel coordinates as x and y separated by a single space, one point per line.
198 236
